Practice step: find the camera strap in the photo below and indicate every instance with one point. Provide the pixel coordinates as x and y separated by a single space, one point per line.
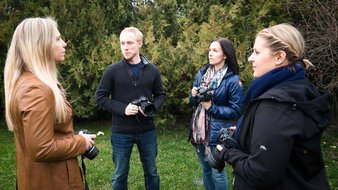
84 173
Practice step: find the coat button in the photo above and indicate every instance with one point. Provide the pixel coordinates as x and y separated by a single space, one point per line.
294 107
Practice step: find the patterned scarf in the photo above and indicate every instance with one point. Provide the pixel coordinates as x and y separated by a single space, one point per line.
200 120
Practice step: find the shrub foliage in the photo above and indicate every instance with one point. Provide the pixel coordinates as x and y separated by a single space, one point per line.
177 34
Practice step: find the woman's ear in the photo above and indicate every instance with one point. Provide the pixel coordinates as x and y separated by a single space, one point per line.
280 58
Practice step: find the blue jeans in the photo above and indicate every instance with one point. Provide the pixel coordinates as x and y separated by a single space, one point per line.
212 179
122 145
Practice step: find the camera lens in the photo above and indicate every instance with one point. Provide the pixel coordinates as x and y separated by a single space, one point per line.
148 108
217 164
92 152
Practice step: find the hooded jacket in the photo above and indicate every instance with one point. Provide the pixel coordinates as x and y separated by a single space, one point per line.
280 140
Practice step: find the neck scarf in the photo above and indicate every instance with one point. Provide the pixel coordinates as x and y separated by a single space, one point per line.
200 127
273 79
270 80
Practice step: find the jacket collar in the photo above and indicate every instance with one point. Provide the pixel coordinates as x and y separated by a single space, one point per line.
144 59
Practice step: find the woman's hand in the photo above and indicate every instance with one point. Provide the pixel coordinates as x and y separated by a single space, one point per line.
194 91
89 139
207 105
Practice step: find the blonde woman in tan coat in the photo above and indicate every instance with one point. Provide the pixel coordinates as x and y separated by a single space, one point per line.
38 112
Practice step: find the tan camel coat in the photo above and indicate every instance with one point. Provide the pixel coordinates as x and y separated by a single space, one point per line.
46 153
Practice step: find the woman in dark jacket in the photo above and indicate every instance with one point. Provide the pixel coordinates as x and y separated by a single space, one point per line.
217 95
279 134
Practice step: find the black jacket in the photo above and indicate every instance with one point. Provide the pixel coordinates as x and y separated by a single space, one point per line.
280 140
118 88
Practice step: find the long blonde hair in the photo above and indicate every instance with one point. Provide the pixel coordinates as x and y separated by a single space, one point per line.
285 37
32 49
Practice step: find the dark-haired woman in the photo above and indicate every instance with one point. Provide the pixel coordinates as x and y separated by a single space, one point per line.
217 95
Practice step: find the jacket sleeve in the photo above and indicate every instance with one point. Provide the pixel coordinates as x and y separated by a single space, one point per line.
233 108
37 111
273 134
158 91
103 92
193 100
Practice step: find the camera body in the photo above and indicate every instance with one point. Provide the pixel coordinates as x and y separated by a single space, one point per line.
225 140
93 151
204 94
147 106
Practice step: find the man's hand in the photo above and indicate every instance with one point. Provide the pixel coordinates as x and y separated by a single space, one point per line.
139 109
131 109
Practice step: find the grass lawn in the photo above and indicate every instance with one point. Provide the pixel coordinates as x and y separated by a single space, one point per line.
177 161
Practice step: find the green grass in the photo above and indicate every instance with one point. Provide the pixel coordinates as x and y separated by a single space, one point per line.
177 161
329 146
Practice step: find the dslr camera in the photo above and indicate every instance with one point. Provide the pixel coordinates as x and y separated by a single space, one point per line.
225 139
147 106
204 94
93 151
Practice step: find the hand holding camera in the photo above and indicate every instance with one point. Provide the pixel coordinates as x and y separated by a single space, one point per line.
131 109
226 137
91 150
225 142
215 158
194 91
147 107
202 94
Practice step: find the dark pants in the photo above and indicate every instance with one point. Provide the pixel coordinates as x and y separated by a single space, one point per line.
122 145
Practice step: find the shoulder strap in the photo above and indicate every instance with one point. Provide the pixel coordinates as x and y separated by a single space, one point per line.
84 173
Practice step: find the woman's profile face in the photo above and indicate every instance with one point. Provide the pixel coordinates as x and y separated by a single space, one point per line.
216 55
262 59
60 49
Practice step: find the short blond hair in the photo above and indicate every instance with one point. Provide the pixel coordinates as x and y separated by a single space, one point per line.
285 37
134 30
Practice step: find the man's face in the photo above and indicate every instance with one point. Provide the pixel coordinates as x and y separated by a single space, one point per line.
130 46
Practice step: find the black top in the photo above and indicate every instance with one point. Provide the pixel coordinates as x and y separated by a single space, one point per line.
280 140
118 88
136 69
